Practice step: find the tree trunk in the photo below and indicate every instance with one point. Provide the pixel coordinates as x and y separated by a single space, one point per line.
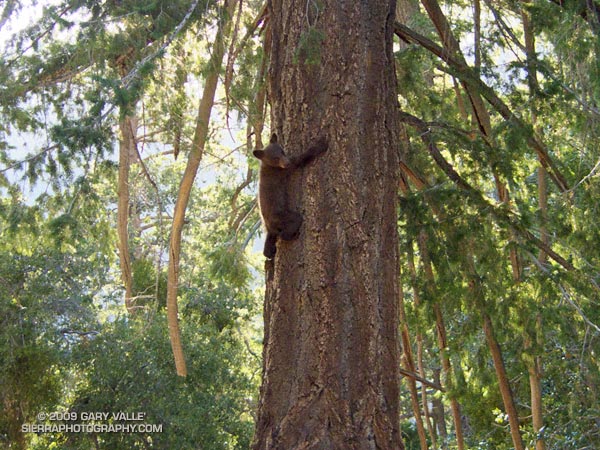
488 328
503 383
442 338
331 351
127 127
534 363
187 181
417 301
438 412
412 384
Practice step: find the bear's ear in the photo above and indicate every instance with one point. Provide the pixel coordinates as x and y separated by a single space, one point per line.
259 153
273 138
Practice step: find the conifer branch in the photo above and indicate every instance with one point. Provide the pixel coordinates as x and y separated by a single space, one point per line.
475 195
467 75
127 79
15 164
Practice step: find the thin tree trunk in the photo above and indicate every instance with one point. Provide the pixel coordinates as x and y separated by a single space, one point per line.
127 156
187 181
440 326
477 33
488 328
505 391
535 387
442 343
331 350
417 299
410 365
482 118
438 411
504 196
534 363
424 396
127 129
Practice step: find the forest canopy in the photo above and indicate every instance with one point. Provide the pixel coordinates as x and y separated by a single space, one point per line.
131 276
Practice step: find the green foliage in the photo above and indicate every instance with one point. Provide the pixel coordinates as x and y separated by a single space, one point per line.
44 295
146 284
62 354
550 311
66 82
308 51
128 367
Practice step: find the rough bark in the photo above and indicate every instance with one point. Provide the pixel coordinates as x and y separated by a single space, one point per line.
126 150
331 351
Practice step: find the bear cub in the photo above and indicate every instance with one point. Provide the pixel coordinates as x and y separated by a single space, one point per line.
273 190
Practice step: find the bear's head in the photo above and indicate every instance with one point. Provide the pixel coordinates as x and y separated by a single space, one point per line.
273 155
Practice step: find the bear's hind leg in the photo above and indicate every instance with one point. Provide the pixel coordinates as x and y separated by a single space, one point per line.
270 247
292 221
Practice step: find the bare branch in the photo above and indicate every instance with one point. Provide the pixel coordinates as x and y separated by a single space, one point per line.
414 376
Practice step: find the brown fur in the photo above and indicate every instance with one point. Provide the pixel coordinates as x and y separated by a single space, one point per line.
273 191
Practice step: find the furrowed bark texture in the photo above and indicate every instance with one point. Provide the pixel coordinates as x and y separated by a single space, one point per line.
331 347
126 150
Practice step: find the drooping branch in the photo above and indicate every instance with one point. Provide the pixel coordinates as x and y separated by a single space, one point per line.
590 13
475 195
420 379
42 152
133 74
237 217
467 75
